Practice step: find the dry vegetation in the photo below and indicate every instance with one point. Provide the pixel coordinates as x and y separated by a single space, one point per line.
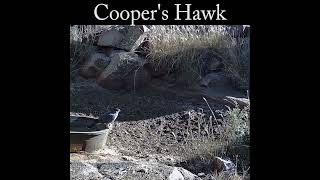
229 139
183 50
192 136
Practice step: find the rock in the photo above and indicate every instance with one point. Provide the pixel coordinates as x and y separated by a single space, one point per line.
188 175
201 174
124 68
221 165
83 171
128 38
175 175
242 102
114 168
110 37
143 170
214 78
179 173
94 65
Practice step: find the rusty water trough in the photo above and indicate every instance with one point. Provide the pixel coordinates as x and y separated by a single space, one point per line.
83 138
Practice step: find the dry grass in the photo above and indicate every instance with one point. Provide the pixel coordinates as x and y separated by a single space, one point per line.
184 50
237 61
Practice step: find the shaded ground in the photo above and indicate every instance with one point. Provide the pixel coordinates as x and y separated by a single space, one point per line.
144 104
154 124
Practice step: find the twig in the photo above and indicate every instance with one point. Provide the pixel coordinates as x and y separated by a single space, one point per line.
134 80
211 112
245 172
211 126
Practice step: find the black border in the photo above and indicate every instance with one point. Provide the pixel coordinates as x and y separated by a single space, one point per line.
43 81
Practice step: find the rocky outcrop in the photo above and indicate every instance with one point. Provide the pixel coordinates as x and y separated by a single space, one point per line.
127 38
124 71
94 65
111 63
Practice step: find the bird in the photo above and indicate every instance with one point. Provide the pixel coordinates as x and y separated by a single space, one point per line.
109 117
106 119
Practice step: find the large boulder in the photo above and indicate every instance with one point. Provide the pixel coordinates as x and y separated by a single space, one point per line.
94 65
124 71
128 38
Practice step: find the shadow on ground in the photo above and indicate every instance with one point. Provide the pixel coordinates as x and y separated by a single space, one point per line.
145 103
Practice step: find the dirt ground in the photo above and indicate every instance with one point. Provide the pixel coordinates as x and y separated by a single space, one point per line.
152 123
145 103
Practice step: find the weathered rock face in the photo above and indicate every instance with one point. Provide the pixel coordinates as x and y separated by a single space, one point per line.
94 65
124 71
127 38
